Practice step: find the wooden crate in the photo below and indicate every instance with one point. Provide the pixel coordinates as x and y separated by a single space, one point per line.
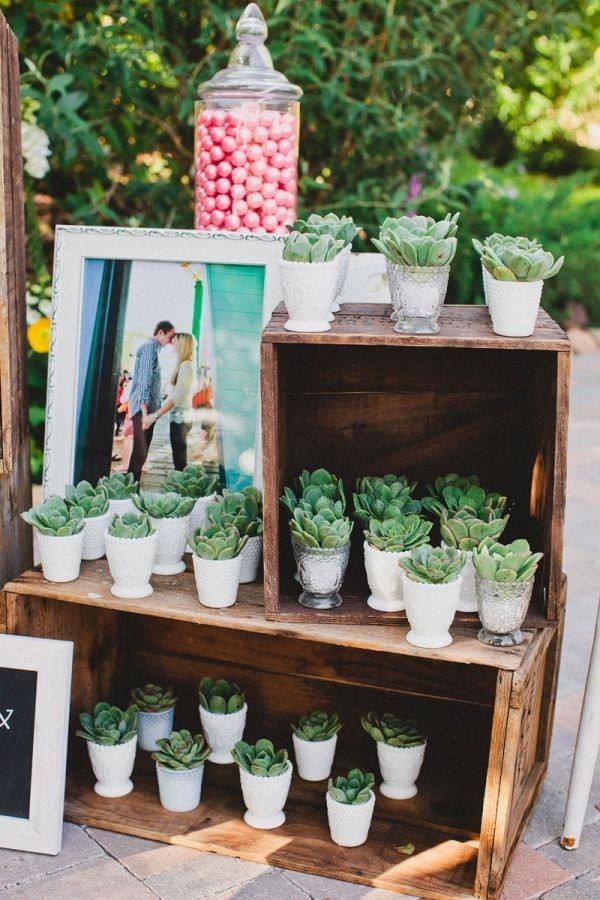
363 400
488 714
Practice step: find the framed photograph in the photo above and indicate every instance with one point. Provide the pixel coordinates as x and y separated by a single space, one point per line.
154 356
35 689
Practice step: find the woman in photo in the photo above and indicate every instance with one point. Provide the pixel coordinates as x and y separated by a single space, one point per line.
179 398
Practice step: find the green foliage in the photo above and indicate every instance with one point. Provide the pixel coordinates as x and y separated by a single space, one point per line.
316 491
465 531
516 259
220 696
393 730
354 789
433 565
130 526
237 509
119 485
398 534
317 726
261 759
181 751
164 506
55 518
454 493
108 725
92 500
340 229
310 248
217 543
193 481
418 240
153 698
505 562
323 529
384 497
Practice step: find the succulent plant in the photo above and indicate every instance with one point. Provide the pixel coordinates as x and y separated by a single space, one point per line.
317 726
433 565
393 730
261 758
470 497
316 491
153 698
92 500
384 497
119 485
217 543
239 510
164 506
181 751
465 531
340 229
324 529
355 788
220 696
398 534
311 248
418 240
55 518
505 562
193 481
108 725
131 525
516 259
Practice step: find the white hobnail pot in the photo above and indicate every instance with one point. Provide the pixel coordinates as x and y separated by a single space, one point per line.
265 798
113 767
94 535
314 759
308 291
172 541
153 727
467 601
514 306
251 558
198 517
120 507
217 580
400 767
60 556
385 578
179 789
222 732
349 823
430 610
486 280
131 561
338 294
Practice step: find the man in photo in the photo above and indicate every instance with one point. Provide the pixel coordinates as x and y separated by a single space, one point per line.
145 396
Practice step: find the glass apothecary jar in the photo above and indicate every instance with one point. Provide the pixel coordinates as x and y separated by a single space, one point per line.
246 139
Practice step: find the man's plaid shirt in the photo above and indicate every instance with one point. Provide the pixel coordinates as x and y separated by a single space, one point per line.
145 384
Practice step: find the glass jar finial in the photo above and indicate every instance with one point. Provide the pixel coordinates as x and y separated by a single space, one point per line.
251 32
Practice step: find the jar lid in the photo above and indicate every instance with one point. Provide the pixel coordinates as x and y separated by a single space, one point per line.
250 67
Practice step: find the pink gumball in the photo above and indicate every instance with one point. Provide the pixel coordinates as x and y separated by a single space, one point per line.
238 157
228 144
253 183
210 188
219 117
281 197
260 134
239 175
199 193
290 200
278 160
206 141
269 189
253 152
217 217
269 206
206 116
285 146
205 218
240 207
223 201
216 154
251 219
224 168
270 222
282 214
211 171
268 117
272 175
288 176
259 167
244 134
287 129
209 204
254 200
204 157
217 134
232 222
270 148
238 191
223 185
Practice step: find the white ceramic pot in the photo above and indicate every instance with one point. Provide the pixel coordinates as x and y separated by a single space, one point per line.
308 291
120 507
251 558
400 767
486 280
514 306
130 561
265 798
60 556
153 727
217 580
467 601
314 759
222 732
113 767
340 284
385 578
94 534
349 823
198 517
172 540
179 789
430 610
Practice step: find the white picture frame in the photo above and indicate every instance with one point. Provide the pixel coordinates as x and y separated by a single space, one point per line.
41 832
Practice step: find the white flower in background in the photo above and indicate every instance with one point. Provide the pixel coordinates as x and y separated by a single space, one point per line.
36 149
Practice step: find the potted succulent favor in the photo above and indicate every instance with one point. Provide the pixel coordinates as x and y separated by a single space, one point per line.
216 555
418 252
243 510
387 541
315 739
504 581
223 711
465 531
120 488
170 515
350 805
131 543
265 776
340 229
96 516
156 709
194 481
111 736
179 769
431 588
59 531
309 272
517 269
377 495
400 751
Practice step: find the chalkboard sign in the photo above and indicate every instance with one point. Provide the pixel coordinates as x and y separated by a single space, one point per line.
17 717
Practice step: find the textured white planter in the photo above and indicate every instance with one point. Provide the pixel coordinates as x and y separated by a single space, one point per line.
60 556
222 731
400 767
198 517
120 507
314 759
251 558
514 306
385 578
113 767
341 279
467 601
486 280
94 534
179 789
308 291
217 580
130 561
430 610
172 541
265 798
154 726
349 823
